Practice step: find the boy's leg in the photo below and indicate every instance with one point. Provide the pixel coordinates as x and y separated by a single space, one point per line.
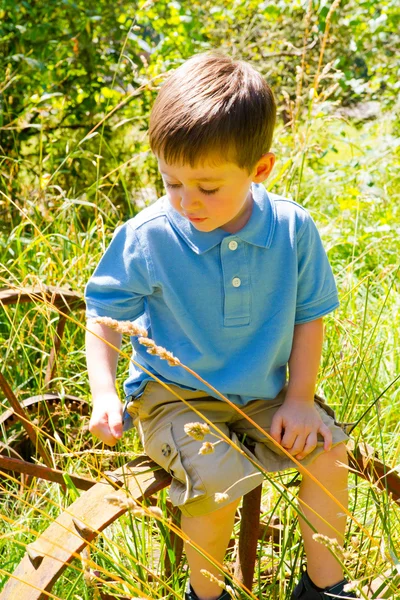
322 566
211 533
161 421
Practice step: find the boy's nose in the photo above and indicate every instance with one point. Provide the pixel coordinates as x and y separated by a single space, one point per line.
189 201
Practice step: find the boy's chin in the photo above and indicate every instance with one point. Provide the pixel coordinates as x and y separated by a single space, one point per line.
205 225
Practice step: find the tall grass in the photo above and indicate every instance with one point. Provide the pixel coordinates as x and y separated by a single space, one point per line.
347 176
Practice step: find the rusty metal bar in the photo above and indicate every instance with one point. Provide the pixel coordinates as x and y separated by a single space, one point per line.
248 537
52 362
372 469
21 466
59 297
49 397
20 411
176 543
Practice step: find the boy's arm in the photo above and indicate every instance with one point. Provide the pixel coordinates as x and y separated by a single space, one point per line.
297 422
106 419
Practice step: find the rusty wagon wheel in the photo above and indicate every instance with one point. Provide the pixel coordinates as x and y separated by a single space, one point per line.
54 415
47 557
58 418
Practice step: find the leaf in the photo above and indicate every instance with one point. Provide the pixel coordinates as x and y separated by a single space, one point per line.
48 96
140 42
88 137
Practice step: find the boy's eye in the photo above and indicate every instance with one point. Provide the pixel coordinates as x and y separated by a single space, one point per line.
178 185
209 191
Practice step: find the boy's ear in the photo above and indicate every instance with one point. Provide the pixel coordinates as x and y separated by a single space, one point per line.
263 167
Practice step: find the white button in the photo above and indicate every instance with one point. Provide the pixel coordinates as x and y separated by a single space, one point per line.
236 282
232 245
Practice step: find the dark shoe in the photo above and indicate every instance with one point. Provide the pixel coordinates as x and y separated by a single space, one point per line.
305 590
190 594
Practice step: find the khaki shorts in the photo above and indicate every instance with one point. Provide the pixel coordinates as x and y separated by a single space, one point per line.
160 418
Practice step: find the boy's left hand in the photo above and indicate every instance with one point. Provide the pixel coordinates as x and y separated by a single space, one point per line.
295 426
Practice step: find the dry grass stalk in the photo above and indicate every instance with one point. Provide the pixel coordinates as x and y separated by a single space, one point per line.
89 574
128 328
131 329
136 509
300 70
328 20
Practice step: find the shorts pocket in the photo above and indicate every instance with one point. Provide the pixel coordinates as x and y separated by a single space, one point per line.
160 446
132 408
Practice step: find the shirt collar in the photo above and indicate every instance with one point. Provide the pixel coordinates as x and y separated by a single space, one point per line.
259 229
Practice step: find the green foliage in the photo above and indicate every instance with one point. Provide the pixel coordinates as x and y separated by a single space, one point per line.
66 65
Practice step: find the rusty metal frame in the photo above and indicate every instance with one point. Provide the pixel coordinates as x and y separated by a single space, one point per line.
78 525
61 299
23 417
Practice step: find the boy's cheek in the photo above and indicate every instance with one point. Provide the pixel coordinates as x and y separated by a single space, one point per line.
175 201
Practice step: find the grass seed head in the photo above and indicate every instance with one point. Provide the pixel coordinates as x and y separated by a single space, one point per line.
124 327
155 511
197 430
128 503
220 497
163 353
333 545
207 448
212 578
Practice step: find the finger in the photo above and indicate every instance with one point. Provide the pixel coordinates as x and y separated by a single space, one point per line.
115 424
289 438
298 445
327 435
105 436
101 430
276 428
310 445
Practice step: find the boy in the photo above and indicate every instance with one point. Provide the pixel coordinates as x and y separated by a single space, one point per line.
234 282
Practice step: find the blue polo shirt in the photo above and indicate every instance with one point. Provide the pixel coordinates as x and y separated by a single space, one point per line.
224 304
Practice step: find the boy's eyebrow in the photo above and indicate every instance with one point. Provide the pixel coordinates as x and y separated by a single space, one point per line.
210 179
199 179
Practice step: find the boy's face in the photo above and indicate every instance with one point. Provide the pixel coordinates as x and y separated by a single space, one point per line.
211 195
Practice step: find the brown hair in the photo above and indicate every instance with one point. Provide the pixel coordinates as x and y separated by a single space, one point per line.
213 105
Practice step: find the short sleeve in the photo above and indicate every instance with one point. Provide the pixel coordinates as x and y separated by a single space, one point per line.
316 292
121 280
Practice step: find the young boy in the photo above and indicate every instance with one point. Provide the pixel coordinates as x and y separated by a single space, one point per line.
234 282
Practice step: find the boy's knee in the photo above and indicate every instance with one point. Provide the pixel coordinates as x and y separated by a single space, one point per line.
211 524
219 514
338 453
325 463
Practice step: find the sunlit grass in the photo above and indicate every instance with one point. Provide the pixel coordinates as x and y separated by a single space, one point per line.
347 176
361 358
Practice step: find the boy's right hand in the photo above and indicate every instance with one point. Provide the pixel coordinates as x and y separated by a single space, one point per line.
106 420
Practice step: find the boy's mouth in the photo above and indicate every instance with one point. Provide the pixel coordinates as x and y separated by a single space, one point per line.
196 219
